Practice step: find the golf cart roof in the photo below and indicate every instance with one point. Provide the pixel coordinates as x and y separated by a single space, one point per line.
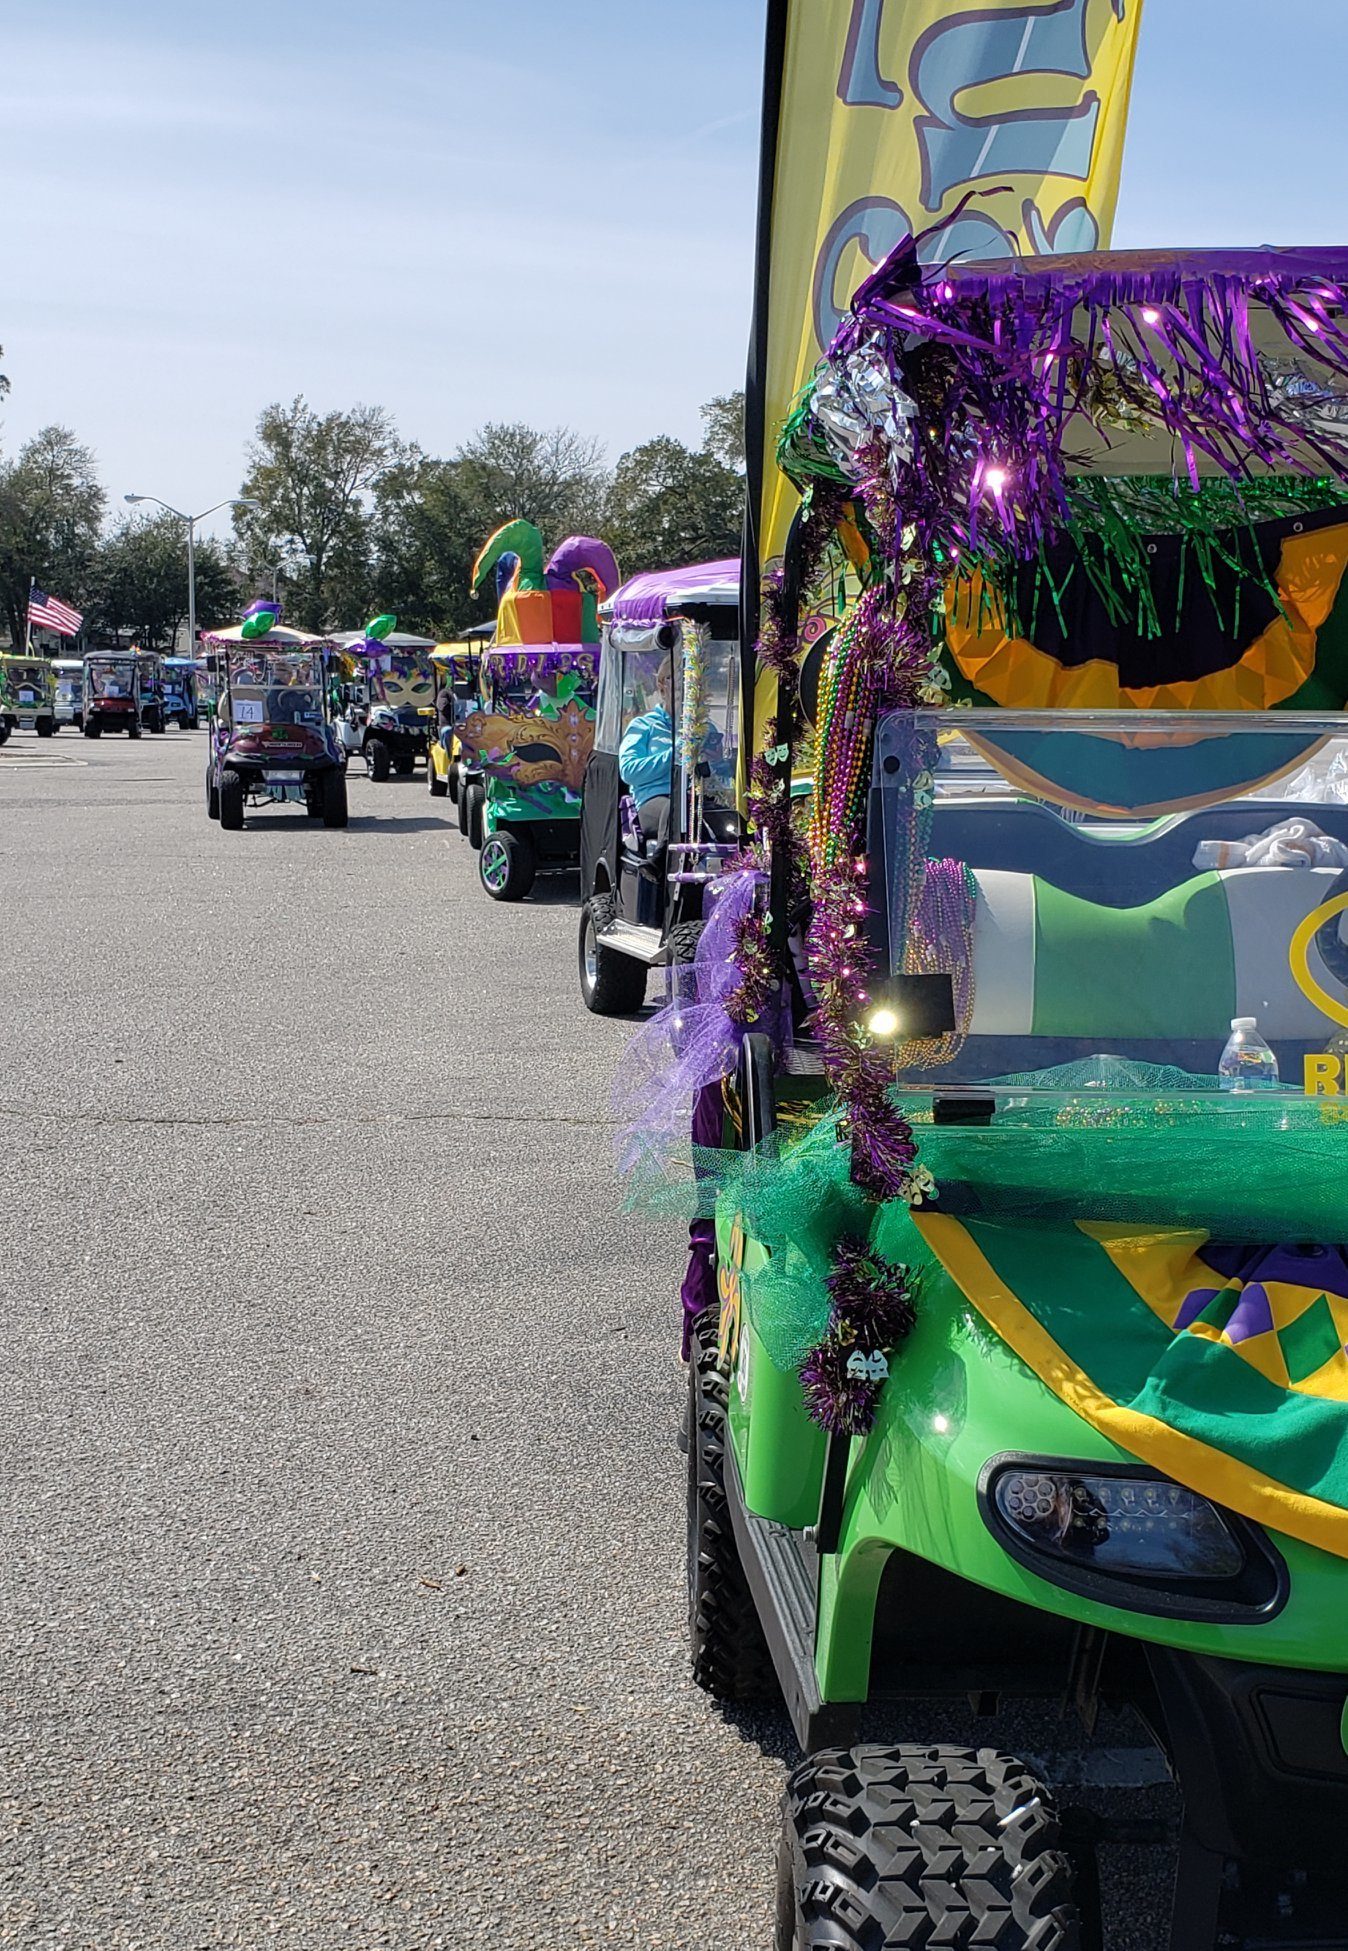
651 597
446 653
396 640
67 663
179 663
279 637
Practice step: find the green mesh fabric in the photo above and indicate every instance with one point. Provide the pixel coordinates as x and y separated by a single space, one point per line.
1259 1168
1139 1144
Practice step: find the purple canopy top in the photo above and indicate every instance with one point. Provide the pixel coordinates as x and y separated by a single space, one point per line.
648 599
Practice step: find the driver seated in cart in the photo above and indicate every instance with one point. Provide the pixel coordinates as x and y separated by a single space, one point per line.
646 757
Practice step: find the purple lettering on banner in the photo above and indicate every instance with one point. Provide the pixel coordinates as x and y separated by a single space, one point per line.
877 224
979 46
860 82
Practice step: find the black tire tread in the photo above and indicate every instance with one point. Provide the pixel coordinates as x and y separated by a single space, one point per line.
894 1848
730 1657
477 800
619 980
231 800
334 798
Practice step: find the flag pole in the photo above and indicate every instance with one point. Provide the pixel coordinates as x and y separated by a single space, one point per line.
28 620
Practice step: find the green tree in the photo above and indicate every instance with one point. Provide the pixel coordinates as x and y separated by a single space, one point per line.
432 517
426 533
51 511
313 476
553 477
139 583
672 505
723 419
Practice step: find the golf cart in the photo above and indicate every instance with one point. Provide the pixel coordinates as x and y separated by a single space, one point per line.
457 671
180 692
153 708
206 675
272 739
27 695
388 697
111 688
69 703
671 657
1016 1303
529 742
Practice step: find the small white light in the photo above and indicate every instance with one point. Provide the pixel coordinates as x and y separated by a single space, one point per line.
883 1023
1150 315
941 1424
996 479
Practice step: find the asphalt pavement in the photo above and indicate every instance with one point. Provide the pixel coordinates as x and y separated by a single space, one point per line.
341 1517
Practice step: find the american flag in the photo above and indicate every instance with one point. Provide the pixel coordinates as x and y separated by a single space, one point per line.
50 613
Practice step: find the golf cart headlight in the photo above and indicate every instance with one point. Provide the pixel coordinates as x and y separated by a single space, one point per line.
1138 1527
883 1023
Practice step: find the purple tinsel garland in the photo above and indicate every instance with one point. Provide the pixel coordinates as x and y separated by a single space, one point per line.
870 1311
1011 371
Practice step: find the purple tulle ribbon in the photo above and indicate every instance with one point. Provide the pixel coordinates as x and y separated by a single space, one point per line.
692 1041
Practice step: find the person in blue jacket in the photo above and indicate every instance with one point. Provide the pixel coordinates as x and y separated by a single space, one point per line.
646 758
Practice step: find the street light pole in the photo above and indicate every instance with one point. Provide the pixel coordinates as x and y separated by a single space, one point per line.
191 586
292 559
232 501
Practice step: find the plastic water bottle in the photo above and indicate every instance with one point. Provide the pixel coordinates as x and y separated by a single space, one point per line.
1247 1063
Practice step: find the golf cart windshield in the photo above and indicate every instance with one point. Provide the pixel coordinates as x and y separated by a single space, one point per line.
112 677
69 687
26 682
704 694
709 717
275 687
1076 908
1074 899
403 679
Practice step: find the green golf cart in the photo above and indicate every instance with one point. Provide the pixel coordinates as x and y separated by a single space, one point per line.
1017 1304
27 696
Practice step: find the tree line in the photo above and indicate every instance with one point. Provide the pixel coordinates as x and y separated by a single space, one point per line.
351 520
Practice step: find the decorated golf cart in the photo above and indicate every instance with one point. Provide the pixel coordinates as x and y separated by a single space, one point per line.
1017 1302
68 673
27 695
529 741
111 688
659 813
458 676
153 705
272 739
387 683
180 692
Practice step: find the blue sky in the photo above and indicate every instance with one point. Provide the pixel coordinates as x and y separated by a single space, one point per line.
488 209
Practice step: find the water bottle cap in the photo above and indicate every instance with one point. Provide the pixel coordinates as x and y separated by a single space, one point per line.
1244 1022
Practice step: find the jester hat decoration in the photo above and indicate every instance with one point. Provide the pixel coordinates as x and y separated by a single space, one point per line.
552 602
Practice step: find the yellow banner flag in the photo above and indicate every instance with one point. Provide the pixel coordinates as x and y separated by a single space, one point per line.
881 117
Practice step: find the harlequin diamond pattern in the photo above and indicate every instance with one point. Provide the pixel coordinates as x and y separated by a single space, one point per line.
1310 1341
